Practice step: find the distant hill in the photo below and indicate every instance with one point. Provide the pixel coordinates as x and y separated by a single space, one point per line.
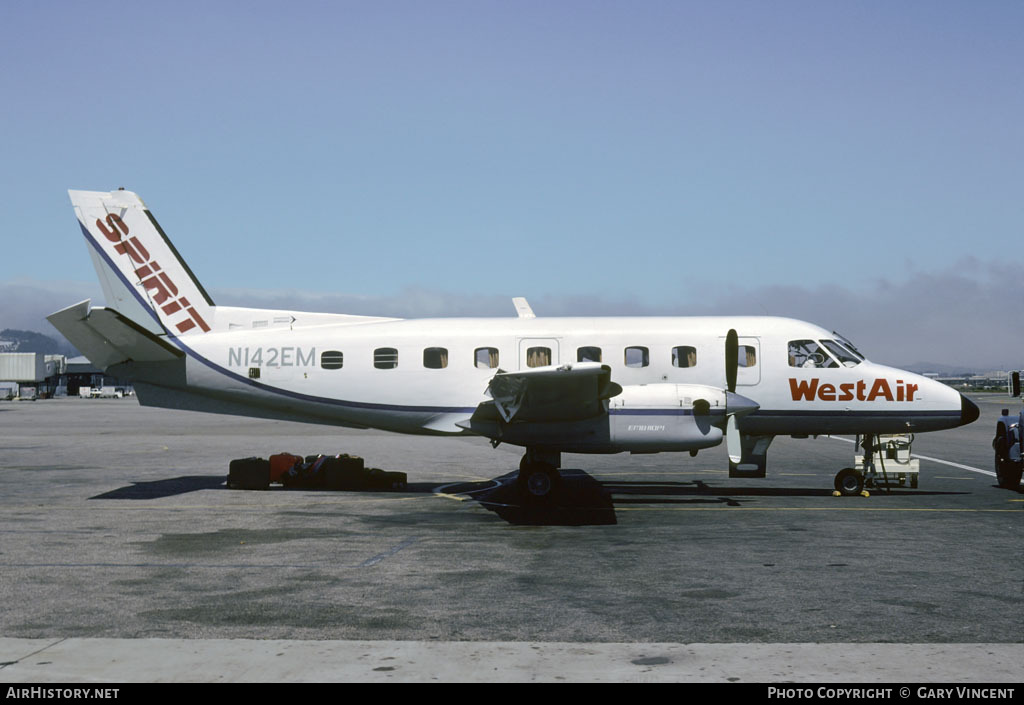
13 340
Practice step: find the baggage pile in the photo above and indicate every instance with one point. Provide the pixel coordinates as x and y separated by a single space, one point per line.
326 472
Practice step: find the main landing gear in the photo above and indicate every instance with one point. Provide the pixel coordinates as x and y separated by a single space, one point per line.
538 474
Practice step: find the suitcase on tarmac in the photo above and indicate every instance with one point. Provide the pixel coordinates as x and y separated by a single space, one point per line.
383 480
344 472
280 463
306 474
249 474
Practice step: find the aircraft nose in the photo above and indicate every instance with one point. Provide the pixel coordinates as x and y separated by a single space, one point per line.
968 411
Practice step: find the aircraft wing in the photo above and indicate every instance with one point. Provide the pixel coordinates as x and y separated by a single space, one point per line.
562 393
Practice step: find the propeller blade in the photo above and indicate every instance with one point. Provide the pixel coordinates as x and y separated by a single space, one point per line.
732 359
732 440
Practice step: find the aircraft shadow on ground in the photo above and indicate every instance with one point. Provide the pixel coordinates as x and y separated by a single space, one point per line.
169 487
669 491
579 499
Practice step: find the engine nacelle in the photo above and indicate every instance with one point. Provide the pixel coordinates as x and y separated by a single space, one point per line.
644 418
649 418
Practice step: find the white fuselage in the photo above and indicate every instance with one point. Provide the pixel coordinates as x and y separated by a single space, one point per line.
346 373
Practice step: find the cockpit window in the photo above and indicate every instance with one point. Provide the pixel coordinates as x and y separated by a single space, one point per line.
809 353
845 357
848 345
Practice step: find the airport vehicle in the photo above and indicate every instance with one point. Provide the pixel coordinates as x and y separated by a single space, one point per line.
549 385
101 392
1013 383
1009 449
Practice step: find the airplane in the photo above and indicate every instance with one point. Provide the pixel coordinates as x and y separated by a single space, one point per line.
549 385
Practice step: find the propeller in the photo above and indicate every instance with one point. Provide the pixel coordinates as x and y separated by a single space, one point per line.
735 404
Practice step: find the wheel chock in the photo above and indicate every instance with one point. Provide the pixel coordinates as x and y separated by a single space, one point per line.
837 493
865 493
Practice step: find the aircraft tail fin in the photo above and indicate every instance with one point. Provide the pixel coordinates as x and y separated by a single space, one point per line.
142 275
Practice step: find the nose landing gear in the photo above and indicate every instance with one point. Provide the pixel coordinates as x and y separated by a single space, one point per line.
895 467
849 482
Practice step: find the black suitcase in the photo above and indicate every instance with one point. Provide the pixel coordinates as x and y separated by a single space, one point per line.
308 475
249 474
383 480
344 472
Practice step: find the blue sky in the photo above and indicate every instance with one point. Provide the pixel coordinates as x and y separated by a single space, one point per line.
647 157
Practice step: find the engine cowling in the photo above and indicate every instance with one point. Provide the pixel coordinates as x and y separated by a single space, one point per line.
650 418
643 418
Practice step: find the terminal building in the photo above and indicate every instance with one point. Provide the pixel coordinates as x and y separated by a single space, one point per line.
42 376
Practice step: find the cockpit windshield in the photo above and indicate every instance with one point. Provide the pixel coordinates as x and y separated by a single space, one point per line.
849 346
809 353
821 354
845 356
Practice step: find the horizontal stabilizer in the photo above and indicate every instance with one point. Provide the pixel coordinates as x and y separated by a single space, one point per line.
108 338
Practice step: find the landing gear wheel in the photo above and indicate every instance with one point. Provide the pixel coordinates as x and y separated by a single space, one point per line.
538 480
849 482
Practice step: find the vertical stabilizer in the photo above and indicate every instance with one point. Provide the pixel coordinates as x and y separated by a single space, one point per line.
142 274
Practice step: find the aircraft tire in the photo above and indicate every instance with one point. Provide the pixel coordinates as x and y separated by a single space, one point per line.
849 482
538 481
1008 473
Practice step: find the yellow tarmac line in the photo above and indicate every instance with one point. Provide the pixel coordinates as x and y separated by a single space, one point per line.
445 495
669 474
803 509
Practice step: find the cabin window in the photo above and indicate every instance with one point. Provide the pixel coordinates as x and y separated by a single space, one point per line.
684 356
435 358
810 354
538 357
332 360
637 356
485 358
748 356
385 358
588 354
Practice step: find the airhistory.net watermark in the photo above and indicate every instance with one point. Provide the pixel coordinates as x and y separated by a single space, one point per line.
40 693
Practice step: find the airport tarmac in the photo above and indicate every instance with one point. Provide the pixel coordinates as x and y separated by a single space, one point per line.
121 546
